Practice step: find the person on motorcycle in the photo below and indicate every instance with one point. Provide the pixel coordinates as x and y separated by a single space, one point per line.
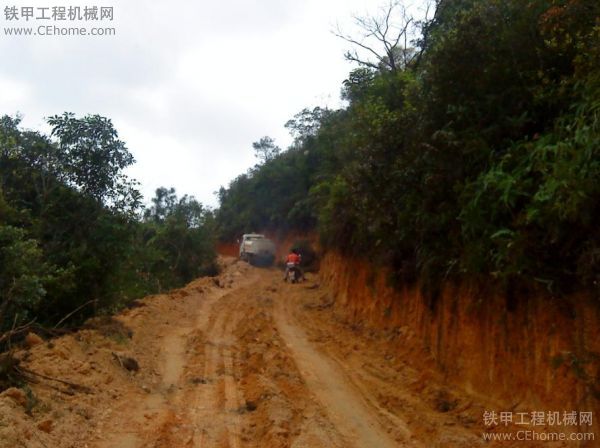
292 261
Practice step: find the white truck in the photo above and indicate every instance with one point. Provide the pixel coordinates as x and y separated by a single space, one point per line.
257 250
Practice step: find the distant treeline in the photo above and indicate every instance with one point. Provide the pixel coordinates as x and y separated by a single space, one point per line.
479 157
72 229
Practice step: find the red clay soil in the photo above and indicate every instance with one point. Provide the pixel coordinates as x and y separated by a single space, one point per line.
228 249
242 360
543 355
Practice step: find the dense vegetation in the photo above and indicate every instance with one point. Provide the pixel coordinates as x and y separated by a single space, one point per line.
476 152
72 229
477 156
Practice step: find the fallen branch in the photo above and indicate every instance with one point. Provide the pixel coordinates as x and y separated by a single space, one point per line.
73 312
32 380
7 335
75 386
54 331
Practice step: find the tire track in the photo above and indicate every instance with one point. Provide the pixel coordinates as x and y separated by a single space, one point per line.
215 408
181 425
206 402
201 412
346 408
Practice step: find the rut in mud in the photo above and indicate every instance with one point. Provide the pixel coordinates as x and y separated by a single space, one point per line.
242 360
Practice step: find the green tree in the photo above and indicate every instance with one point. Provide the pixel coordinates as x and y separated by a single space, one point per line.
476 157
92 158
265 149
179 233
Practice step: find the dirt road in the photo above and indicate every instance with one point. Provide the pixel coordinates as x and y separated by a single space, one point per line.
242 360
242 372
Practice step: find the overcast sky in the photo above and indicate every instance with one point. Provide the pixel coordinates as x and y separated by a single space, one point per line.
188 85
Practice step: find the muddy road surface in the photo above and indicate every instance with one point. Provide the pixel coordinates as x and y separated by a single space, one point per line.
241 360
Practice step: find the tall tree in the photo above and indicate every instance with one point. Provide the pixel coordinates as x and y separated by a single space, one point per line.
384 40
92 158
265 149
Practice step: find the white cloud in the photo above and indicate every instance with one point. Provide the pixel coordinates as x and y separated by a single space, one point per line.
189 85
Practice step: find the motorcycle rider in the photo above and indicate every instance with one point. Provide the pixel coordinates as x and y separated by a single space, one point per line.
292 261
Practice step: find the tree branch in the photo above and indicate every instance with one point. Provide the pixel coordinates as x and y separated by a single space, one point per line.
75 386
14 331
360 44
73 312
355 58
386 33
